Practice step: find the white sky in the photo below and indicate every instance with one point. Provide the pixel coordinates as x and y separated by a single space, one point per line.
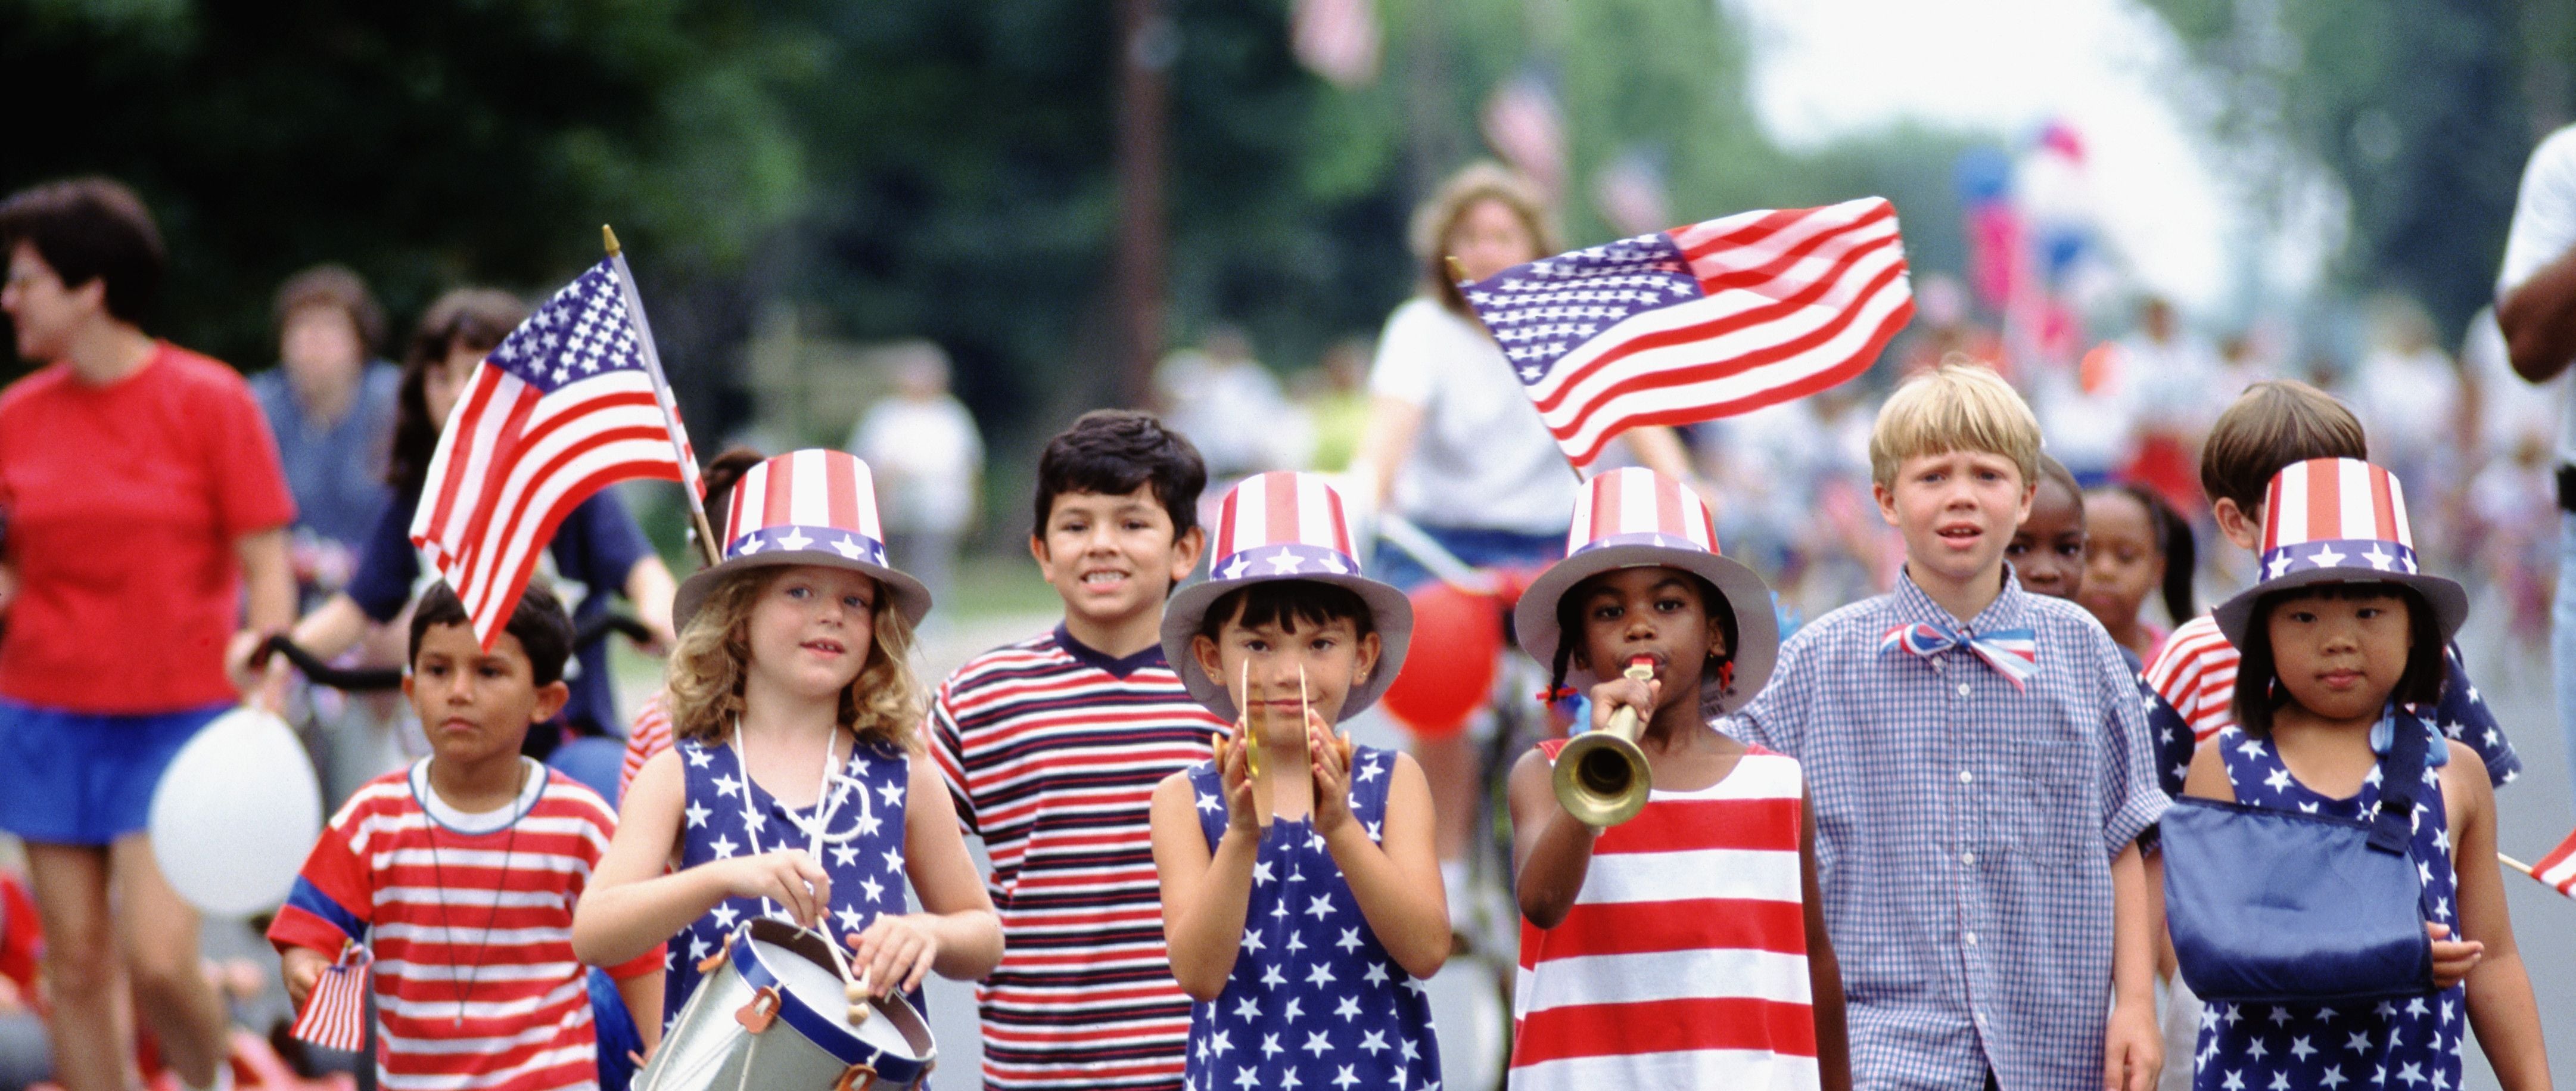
1824 69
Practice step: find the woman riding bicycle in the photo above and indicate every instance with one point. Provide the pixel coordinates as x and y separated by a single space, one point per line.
1455 447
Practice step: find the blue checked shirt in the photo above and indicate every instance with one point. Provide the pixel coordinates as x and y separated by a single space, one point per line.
1964 834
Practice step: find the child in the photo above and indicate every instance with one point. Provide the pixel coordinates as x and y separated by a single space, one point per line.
2273 425
2344 636
1686 946
1301 892
2047 549
1052 748
459 874
2135 544
1979 770
793 656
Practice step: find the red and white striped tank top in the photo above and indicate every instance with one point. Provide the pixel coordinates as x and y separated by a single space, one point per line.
1684 960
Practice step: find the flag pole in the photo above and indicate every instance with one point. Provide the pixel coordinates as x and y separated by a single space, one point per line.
1458 274
2517 865
696 489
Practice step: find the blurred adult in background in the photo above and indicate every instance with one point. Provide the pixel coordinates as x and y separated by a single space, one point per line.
928 460
2536 306
2171 370
1454 445
2408 395
1230 406
330 405
1337 404
597 552
146 507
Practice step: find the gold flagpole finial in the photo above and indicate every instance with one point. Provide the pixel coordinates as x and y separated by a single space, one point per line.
1457 270
609 235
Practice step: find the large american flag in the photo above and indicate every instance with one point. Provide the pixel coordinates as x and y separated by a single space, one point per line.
566 405
1699 322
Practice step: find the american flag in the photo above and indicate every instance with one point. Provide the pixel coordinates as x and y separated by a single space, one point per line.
569 403
1336 39
335 1016
1522 122
2558 869
1699 322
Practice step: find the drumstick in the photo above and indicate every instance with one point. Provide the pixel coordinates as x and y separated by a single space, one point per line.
1244 735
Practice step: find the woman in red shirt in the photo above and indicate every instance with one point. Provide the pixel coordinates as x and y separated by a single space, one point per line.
143 496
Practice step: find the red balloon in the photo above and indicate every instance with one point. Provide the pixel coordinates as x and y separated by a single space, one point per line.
1449 671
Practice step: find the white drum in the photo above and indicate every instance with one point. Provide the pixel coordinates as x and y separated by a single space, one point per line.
775 1015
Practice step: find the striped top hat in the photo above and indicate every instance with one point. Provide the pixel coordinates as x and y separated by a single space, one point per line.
805 507
1634 518
1284 526
2339 520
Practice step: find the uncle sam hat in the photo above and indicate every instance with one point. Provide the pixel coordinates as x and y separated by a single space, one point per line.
813 507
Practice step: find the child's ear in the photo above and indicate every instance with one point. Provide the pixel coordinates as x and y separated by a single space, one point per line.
1886 496
551 698
1185 552
1038 548
2240 526
406 687
1203 649
1370 648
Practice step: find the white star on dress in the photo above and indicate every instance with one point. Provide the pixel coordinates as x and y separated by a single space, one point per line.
2235 1082
2278 781
2280 1082
1296 1008
1370 771
698 757
1375 1042
1247 1009
1211 804
1316 1044
1350 940
1349 1008
698 815
1411 1053
1243 1077
1271 978
699 948
1321 906
1344 1078
849 918
875 890
894 860
724 915
845 855
1296 943
891 793
1322 975
724 847
1251 940
726 785
1261 872
1270 1046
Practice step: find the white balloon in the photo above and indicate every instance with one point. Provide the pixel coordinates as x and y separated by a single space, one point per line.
236 814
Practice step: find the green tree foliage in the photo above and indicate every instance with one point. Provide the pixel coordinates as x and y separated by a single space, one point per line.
2423 110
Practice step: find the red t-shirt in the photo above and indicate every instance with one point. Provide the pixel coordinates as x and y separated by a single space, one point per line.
124 503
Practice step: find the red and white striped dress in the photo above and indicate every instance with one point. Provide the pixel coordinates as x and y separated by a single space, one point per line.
1684 960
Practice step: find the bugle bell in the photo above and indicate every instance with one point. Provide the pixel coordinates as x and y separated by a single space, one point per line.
1601 777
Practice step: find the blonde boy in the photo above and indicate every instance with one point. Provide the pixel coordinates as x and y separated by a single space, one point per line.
1979 767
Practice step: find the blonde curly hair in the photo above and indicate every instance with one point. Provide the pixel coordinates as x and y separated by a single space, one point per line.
883 705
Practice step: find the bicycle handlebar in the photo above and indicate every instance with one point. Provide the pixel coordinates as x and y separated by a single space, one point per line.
372 679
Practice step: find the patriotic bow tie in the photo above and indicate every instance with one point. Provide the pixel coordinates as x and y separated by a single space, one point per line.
2014 653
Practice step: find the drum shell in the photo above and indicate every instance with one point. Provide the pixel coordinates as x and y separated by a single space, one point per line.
709 1047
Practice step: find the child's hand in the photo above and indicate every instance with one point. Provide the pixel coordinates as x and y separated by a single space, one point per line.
2133 1049
2452 959
1329 758
1234 776
1620 690
302 968
789 877
895 952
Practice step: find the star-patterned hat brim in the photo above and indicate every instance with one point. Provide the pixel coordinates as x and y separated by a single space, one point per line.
1390 616
908 594
2449 602
1757 628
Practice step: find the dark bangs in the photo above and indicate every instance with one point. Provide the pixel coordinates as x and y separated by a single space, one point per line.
2259 693
1291 604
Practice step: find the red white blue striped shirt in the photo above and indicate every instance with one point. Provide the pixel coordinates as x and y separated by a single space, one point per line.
1052 751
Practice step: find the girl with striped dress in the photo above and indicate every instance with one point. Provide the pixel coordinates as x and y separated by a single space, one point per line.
1684 947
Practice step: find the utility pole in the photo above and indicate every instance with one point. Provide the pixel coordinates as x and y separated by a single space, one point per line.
1148 44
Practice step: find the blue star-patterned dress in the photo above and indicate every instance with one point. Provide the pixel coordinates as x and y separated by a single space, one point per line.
862 848
1315 1001
2408 1045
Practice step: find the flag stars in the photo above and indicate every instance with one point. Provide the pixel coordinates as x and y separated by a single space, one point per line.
1316 1043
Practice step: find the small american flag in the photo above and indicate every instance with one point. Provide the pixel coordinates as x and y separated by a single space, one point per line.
1699 322
1336 39
1525 127
2558 869
335 1016
570 403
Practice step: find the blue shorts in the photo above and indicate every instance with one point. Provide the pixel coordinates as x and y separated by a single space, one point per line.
83 778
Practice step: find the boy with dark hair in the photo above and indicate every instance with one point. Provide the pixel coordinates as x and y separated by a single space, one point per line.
459 875
2273 425
1980 771
1052 748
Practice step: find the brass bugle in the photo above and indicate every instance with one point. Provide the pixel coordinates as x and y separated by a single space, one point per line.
1601 777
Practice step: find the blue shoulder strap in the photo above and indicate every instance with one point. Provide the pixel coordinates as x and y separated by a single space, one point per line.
2401 778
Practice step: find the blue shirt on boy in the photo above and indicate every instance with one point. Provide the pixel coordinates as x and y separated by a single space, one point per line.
1964 833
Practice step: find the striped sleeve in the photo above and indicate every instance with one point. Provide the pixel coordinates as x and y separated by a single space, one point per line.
333 900
2195 673
650 735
